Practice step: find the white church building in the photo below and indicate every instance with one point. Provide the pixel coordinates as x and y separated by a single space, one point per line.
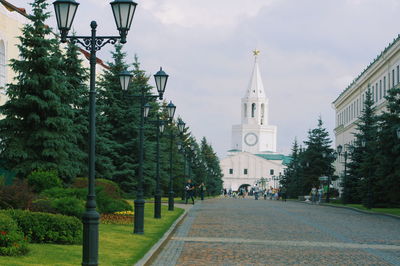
253 158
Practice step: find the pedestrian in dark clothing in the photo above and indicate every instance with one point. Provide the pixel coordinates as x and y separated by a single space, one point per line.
202 188
283 194
189 188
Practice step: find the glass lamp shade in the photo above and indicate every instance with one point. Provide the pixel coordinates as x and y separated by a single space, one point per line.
161 81
179 146
65 13
339 149
161 127
171 110
125 78
146 109
123 11
181 126
398 132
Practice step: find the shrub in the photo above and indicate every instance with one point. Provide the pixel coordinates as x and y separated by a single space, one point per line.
54 193
42 205
12 241
17 196
41 180
109 187
48 228
107 204
69 206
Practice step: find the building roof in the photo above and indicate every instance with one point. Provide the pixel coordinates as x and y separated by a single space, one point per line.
395 40
277 157
256 87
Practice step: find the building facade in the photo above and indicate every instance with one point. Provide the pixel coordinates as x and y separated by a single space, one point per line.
380 75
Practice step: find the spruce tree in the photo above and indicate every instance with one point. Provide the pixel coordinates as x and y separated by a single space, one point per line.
318 157
364 156
77 77
388 153
290 179
37 129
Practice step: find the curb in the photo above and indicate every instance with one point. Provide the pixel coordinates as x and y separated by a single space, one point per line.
355 209
156 247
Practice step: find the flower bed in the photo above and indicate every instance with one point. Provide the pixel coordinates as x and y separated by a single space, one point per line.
124 217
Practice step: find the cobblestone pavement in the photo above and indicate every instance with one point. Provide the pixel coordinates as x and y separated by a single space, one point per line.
264 232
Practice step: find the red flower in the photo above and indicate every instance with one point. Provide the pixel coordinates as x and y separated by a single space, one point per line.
3 233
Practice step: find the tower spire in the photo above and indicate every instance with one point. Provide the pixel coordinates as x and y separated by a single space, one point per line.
256 87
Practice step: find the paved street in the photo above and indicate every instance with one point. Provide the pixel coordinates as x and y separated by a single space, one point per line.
249 232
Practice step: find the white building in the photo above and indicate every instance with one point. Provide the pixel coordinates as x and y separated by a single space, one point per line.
380 75
253 156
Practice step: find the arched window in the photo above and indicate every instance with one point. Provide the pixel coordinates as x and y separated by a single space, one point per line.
253 109
262 113
245 110
2 65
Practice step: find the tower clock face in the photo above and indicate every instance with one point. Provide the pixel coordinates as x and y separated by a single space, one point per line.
251 139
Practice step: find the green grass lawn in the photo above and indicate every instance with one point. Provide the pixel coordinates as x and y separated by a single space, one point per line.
118 246
394 211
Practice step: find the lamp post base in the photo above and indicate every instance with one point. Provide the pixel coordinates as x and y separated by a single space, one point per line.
171 201
157 206
90 221
139 217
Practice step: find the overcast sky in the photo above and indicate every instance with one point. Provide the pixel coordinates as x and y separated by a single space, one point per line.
310 51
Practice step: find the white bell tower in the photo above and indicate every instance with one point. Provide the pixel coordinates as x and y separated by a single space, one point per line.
254 135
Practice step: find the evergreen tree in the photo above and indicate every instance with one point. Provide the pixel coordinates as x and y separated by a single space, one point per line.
77 77
317 158
290 179
363 157
213 176
37 131
388 153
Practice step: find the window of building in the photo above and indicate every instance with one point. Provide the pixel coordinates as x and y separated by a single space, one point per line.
373 94
384 86
376 93
380 89
271 171
253 109
397 72
245 110
245 171
2 65
392 78
262 113
231 171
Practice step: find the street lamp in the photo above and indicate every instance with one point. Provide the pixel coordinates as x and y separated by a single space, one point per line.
181 129
65 11
171 111
144 112
339 151
157 195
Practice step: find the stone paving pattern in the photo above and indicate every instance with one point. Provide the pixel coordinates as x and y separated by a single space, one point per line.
264 232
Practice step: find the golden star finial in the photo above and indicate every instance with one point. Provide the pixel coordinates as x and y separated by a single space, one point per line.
256 52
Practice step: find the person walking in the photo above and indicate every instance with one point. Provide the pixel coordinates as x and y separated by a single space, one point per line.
320 193
256 191
283 194
313 195
202 188
189 188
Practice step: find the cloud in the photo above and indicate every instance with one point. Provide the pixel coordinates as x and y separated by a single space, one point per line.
206 13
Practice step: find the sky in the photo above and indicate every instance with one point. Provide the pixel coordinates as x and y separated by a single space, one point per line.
310 52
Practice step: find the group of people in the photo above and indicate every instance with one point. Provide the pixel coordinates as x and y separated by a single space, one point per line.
316 195
257 192
190 189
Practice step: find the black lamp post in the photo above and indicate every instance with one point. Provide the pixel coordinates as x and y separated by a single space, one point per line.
171 181
339 151
161 81
65 11
160 129
181 129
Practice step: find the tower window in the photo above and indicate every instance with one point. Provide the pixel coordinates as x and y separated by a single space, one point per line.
271 171
253 109
245 110
231 171
245 171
